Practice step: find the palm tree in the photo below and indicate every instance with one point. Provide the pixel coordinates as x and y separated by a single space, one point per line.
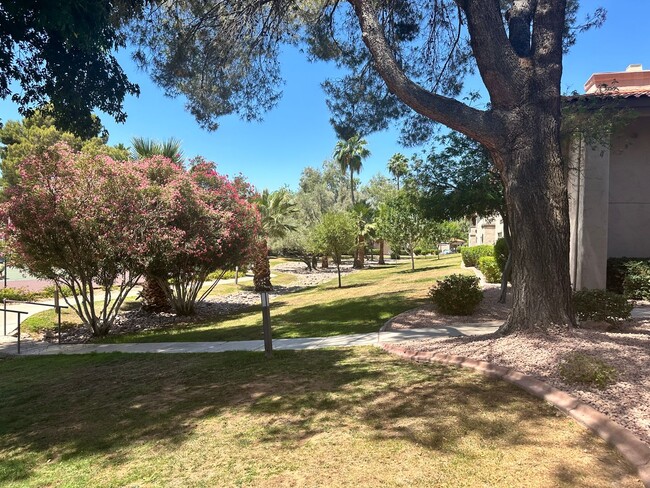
153 297
398 166
145 148
350 155
275 210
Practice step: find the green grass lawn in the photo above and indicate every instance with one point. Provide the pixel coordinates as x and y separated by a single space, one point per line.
345 417
367 299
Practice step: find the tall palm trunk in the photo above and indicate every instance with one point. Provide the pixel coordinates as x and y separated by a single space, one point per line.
262 268
381 252
360 254
153 297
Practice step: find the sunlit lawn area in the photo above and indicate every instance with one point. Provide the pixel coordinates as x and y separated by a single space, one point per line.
345 417
368 298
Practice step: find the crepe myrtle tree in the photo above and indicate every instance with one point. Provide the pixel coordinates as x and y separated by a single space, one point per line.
210 225
224 56
83 222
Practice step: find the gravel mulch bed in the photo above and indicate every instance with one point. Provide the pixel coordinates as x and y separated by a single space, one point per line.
427 316
627 349
132 321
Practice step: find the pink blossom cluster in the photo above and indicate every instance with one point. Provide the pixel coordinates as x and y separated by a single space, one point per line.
83 219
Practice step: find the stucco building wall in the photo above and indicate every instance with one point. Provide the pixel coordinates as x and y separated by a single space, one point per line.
609 199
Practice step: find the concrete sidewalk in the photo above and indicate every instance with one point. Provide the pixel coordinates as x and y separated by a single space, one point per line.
32 348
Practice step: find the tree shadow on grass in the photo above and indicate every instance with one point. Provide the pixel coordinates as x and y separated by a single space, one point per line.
70 408
427 268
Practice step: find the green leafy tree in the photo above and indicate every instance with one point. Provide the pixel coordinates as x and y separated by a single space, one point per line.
34 135
398 166
378 191
61 54
225 60
336 236
153 296
350 155
320 191
460 181
276 210
364 215
402 223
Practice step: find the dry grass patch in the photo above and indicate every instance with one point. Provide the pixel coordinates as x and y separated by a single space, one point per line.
345 417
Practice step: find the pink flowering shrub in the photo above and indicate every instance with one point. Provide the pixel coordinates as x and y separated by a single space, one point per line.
82 221
210 225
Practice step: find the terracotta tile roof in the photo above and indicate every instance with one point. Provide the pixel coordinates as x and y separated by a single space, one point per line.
612 94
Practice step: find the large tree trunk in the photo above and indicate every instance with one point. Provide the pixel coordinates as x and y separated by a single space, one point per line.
262 268
381 252
324 263
536 195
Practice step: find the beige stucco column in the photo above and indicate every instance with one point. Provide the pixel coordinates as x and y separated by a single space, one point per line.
588 214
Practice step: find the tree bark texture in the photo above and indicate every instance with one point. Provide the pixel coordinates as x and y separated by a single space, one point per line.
324 262
536 196
506 276
262 268
381 252
521 70
360 252
153 297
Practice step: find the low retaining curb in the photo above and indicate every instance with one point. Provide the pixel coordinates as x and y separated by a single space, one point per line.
631 447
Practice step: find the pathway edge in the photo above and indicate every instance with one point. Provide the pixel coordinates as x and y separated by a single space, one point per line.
635 451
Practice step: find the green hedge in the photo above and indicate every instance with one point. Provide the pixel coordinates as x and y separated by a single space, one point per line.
490 269
501 253
601 306
471 255
629 277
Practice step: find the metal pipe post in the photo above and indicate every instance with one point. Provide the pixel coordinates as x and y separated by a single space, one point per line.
4 306
58 311
266 325
18 333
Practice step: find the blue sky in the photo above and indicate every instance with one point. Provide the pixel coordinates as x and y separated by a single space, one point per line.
297 133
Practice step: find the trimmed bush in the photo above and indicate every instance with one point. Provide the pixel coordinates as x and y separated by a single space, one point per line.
501 253
601 306
636 283
471 255
394 255
48 291
490 269
228 275
21 294
629 276
586 369
456 294
417 251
